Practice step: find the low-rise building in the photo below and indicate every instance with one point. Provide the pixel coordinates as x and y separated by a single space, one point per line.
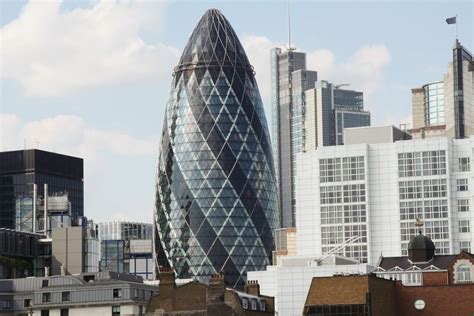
199 299
421 283
102 293
288 281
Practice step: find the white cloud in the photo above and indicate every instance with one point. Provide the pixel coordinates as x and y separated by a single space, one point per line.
364 69
54 52
69 134
109 168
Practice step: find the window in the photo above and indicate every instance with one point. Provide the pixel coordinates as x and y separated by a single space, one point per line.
140 310
7 304
27 303
135 293
463 273
465 245
464 165
44 283
142 294
462 185
66 296
117 293
464 226
45 312
46 297
463 205
64 312
262 305
115 310
412 278
245 303
254 304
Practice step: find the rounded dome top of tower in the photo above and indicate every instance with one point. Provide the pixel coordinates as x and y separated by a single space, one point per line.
213 42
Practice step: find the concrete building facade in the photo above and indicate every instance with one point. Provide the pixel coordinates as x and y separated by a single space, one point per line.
374 193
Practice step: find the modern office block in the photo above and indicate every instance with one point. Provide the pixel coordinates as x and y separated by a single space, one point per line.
374 193
124 230
127 247
445 108
329 111
20 169
289 81
216 198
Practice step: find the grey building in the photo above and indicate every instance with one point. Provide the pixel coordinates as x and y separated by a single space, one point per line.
103 293
289 79
446 108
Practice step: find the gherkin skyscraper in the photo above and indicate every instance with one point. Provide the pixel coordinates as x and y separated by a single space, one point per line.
216 197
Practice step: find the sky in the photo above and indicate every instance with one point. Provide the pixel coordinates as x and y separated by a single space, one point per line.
91 78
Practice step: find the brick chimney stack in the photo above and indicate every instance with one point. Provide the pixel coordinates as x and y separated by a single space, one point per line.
252 287
167 278
216 288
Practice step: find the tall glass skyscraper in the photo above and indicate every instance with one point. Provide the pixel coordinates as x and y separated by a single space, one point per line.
289 81
216 199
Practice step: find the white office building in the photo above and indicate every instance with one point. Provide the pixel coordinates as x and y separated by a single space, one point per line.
374 192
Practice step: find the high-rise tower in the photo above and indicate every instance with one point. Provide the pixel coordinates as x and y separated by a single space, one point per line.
216 198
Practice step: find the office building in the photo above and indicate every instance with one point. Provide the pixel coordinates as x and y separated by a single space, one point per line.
18 251
216 198
445 108
289 81
372 193
212 299
124 230
127 247
306 114
329 110
20 169
101 293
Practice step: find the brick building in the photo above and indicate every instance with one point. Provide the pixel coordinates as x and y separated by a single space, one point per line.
421 284
199 299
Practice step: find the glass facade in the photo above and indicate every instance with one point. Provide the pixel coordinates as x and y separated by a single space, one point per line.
216 199
289 81
125 230
19 170
434 104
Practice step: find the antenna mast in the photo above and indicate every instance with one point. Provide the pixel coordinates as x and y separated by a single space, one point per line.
289 27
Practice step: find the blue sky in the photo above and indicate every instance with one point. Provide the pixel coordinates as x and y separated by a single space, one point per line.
91 78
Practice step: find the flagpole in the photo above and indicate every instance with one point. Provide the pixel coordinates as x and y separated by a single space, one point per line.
456 26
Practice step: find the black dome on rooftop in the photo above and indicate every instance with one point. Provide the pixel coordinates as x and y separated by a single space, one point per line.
421 242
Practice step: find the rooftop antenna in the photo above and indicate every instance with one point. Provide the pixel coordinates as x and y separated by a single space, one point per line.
289 28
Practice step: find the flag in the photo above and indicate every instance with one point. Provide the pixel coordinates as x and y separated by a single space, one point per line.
451 20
